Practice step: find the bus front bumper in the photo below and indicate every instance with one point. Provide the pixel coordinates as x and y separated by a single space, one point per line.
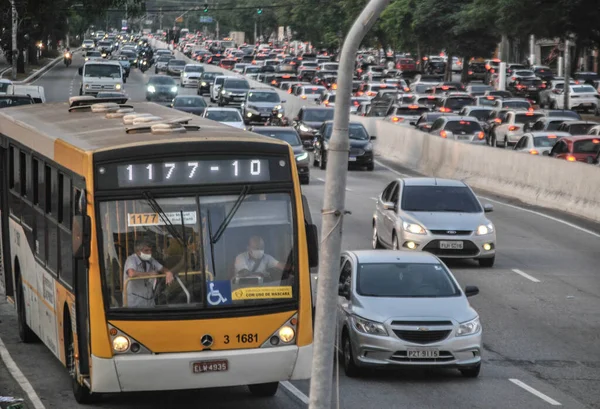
139 373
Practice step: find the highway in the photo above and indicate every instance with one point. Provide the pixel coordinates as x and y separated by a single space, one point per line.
539 306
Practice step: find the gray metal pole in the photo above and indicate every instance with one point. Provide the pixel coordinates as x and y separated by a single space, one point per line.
502 77
567 63
15 49
532 49
333 213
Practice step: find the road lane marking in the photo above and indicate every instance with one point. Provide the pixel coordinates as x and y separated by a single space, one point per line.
19 377
374 198
297 393
527 276
391 170
535 392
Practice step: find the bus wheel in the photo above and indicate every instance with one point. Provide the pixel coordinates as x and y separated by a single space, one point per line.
81 392
264 389
25 333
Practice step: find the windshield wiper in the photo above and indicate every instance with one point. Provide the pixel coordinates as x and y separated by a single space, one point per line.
221 230
170 228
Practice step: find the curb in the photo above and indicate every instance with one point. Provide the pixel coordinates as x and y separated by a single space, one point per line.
39 72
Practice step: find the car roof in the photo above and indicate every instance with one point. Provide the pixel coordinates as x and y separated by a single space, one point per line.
391 256
424 181
546 133
576 122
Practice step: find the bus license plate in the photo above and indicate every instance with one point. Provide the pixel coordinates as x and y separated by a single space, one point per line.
422 353
210 366
451 245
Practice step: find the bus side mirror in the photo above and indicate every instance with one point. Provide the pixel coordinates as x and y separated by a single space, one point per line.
82 235
80 70
312 238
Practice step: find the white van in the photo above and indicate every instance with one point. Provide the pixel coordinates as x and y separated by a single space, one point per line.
98 76
36 92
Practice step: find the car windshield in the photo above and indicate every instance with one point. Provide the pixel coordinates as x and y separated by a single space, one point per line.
208 75
177 63
553 125
516 104
421 88
102 70
480 114
289 136
194 68
400 280
463 127
7 101
251 70
356 132
587 146
189 102
177 232
331 98
236 84
264 97
128 54
4 86
458 199
93 54
544 141
527 118
224 116
580 129
165 58
318 115
457 103
161 80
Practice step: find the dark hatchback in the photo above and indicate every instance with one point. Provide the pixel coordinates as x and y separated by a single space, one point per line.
290 136
205 80
361 148
161 88
308 121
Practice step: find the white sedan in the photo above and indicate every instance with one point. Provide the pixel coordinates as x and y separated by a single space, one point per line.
539 143
227 116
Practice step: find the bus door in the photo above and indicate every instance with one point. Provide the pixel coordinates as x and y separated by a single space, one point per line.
6 283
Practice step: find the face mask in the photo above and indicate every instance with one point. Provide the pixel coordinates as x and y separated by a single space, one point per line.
146 257
257 254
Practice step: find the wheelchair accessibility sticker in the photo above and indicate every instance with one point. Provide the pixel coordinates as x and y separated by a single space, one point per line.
219 292
257 293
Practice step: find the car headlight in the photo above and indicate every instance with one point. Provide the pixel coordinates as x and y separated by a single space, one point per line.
413 228
469 328
303 157
368 327
277 107
485 229
135 61
203 84
173 89
118 86
151 88
223 92
369 147
305 128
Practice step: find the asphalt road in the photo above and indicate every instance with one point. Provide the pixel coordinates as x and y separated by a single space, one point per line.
539 306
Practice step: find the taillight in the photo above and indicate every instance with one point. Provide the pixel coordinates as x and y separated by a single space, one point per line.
543 86
443 134
470 72
514 78
498 120
444 109
534 152
571 158
303 97
396 119
371 93
406 89
480 135
513 128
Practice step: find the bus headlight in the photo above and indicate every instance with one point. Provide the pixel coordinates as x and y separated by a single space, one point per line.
286 334
120 344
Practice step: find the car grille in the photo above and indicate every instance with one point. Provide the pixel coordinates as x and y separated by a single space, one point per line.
400 356
356 152
452 232
469 249
101 87
422 337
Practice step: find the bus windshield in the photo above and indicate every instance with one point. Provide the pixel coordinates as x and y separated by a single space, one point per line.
223 251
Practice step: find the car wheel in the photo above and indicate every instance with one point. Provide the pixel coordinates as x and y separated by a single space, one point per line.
371 166
375 241
506 142
81 393
322 163
395 244
25 333
305 181
487 262
315 161
156 71
471 372
264 389
350 368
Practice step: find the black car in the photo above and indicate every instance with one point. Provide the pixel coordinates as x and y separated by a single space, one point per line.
527 88
290 136
206 79
161 88
192 104
309 120
361 148
477 71
233 91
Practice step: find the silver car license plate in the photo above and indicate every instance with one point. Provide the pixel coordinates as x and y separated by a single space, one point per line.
451 245
352 159
422 353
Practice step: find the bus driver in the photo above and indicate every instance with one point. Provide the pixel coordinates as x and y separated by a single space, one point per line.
140 293
255 261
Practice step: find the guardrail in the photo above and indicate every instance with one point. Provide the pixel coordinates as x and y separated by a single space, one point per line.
537 180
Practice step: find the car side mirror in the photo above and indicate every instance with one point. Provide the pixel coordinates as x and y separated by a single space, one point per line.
488 208
81 237
389 206
373 137
343 291
413 123
471 290
312 238
545 153
283 101
80 70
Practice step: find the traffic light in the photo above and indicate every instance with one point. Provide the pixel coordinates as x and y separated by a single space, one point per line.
206 7
259 11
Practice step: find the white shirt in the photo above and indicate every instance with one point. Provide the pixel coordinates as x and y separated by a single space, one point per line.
245 262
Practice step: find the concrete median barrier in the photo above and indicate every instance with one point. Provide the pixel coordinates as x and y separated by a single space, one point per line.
536 180
292 103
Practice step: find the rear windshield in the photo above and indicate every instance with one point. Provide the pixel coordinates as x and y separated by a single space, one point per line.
421 88
459 102
439 199
527 118
313 91
251 70
406 61
463 127
583 88
568 114
516 104
531 81
480 114
544 141
554 125
481 88
580 129
290 136
587 146
411 111
524 73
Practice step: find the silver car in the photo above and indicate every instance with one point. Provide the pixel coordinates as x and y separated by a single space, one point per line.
440 216
405 309
539 143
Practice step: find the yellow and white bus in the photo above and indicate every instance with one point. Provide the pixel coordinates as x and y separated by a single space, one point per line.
129 238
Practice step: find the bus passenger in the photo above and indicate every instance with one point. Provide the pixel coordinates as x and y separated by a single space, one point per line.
254 261
140 293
